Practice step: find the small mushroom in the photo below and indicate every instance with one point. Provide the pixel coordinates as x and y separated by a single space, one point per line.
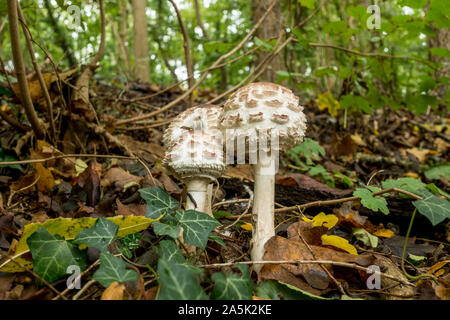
271 116
194 153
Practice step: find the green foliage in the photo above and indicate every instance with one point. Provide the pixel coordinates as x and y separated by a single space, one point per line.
370 201
365 237
441 170
309 149
158 201
53 255
129 243
232 286
113 269
5 156
99 236
196 227
179 282
434 208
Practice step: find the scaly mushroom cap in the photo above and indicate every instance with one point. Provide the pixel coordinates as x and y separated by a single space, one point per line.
264 108
200 118
196 154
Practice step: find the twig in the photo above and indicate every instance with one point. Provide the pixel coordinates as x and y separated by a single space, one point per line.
37 69
249 204
337 201
82 290
300 262
19 66
7 163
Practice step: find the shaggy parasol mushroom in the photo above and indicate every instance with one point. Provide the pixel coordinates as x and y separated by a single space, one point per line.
194 153
253 115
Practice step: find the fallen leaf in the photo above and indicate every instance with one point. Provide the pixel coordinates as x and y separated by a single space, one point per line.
119 178
309 233
240 171
246 226
381 231
131 209
338 242
46 180
421 154
322 219
115 291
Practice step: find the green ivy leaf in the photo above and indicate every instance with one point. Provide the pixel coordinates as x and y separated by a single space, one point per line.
113 269
369 201
52 255
163 229
196 227
216 238
232 286
433 207
169 252
179 282
158 201
99 235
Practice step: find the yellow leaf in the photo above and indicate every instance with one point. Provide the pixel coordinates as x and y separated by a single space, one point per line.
247 226
412 175
322 219
420 154
358 140
69 228
80 166
115 291
338 242
327 101
437 266
46 180
385 233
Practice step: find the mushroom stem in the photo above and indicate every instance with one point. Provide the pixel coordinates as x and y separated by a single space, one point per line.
198 191
263 206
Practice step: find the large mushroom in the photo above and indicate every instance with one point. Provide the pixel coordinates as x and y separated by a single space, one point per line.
194 153
258 121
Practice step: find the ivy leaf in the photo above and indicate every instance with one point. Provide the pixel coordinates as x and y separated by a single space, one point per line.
433 207
169 252
371 202
179 282
99 235
113 269
196 227
233 286
163 229
158 201
216 238
52 255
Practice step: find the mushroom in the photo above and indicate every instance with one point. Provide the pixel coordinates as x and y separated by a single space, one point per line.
195 153
260 120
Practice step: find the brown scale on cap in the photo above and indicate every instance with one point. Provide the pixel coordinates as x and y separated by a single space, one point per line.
264 106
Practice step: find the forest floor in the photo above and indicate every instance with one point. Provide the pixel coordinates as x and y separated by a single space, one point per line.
388 149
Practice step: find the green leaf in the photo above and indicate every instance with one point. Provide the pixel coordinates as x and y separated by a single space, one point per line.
179 282
307 3
196 227
310 149
365 237
232 286
158 201
371 202
216 238
440 52
408 184
163 229
356 103
434 208
416 259
6 157
113 269
98 236
52 256
263 44
169 251
435 173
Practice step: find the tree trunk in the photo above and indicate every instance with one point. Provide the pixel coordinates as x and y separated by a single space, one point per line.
141 51
441 40
269 29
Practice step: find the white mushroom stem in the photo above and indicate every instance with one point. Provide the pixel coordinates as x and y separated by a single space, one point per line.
199 191
263 205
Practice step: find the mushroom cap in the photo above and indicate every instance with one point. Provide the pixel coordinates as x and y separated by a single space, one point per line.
264 108
200 118
196 154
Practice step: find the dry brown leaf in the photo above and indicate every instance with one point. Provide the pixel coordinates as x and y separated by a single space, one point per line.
46 180
278 248
130 209
119 178
307 231
240 171
420 154
115 291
